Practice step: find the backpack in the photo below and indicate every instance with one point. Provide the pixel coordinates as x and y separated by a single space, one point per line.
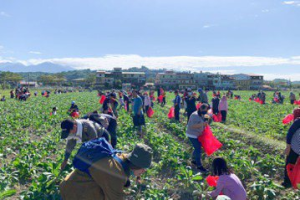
94 150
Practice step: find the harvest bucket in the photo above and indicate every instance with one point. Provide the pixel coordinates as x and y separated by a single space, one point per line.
171 113
209 142
288 119
102 99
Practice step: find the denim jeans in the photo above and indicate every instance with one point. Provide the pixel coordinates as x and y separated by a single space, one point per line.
197 151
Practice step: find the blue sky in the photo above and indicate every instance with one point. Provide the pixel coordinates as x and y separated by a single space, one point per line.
231 36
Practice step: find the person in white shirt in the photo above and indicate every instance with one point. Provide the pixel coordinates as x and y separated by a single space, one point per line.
147 102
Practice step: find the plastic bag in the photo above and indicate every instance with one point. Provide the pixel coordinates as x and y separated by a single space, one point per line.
102 99
171 113
209 142
217 118
294 174
288 119
75 114
150 112
212 180
160 98
198 105
297 102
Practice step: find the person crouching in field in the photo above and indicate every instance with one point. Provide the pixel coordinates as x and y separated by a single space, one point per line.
3 98
107 177
292 150
228 183
79 131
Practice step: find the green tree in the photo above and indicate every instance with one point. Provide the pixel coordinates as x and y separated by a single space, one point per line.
9 77
91 80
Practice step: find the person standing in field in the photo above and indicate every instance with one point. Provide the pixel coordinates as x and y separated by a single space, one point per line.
79 131
126 101
223 108
147 102
12 95
163 103
195 128
228 183
138 116
215 104
292 150
292 98
177 102
190 100
106 178
202 96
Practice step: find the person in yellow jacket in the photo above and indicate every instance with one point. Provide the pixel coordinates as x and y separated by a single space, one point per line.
108 177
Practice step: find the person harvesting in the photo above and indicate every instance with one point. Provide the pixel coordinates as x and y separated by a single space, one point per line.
228 183
79 131
105 178
195 127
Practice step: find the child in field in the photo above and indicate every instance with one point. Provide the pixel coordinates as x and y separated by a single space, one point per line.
3 98
229 184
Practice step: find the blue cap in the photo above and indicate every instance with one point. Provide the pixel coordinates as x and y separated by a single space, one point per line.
73 102
199 90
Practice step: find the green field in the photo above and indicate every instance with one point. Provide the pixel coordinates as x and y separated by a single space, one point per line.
253 137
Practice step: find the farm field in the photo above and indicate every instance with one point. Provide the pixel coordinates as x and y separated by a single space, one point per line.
253 144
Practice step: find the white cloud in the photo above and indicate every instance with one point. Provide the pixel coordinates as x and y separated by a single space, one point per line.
222 71
4 14
293 3
293 77
35 52
193 63
265 10
208 26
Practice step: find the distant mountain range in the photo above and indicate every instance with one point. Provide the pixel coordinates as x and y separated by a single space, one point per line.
43 67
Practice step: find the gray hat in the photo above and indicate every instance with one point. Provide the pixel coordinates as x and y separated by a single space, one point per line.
141 156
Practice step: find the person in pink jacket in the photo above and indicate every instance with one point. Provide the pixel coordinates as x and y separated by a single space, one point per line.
228 183
223 108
